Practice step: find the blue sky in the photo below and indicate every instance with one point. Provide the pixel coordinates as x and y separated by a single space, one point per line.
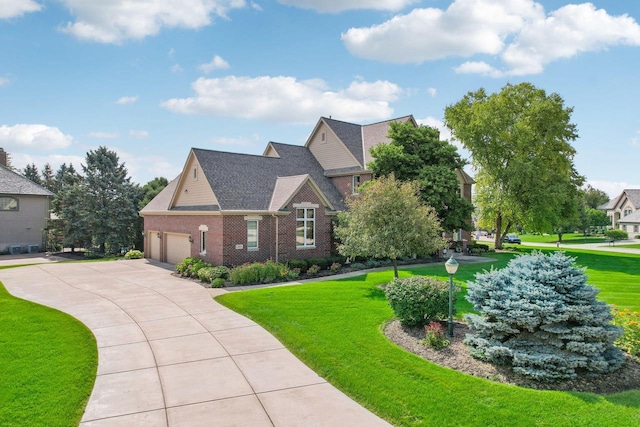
152 78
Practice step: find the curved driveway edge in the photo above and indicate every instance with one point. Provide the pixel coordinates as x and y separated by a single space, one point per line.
168 355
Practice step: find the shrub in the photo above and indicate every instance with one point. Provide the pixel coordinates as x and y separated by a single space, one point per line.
190 266
337 258
133 254
313 270
299 264
323 263
539 316
477 248
630 323
257 272
218 283
372 263
418 300
435 336
616 234
335 267
209 274
358 266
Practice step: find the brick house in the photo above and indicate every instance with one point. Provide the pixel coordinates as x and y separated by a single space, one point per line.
24 211
231 208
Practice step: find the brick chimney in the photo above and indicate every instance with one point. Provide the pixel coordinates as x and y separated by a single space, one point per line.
3 157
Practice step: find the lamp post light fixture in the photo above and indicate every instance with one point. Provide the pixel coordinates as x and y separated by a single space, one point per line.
452 266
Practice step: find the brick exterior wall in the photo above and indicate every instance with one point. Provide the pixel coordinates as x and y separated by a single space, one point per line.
287 229
188 224
226 232
344 183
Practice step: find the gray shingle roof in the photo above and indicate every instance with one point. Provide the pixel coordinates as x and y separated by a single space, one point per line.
634 197
247 182
633 218
16 184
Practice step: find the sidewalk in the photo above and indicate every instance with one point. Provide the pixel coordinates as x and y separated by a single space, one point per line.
169 355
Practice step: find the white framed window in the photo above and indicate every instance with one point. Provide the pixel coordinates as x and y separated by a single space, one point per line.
203 239
252 234
628 212
305 227
203 242
355 183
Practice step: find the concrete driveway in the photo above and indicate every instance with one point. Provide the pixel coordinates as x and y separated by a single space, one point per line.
171 356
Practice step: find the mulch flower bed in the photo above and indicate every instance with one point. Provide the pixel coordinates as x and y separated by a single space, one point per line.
456 356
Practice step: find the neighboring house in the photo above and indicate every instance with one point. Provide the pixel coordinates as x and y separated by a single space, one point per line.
231 208
624 212
24 211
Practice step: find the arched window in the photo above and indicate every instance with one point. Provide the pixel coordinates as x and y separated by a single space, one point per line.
8 203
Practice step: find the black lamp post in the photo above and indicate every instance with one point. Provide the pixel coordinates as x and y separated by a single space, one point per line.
452 266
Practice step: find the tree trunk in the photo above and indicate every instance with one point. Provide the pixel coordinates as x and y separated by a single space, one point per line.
395 268
560 236
498 241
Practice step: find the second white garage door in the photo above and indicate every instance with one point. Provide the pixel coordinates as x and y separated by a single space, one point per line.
177 247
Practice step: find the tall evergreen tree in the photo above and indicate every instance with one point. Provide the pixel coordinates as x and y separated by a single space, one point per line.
70 227
31 172
111 200
418 154
48 180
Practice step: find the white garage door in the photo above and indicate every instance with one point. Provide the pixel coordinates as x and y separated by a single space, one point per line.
177 247
154 245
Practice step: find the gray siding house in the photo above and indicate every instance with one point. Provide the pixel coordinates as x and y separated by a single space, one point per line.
24 212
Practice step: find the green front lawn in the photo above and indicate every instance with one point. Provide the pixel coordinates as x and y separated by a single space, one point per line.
632 246
334 327
567 239
48 363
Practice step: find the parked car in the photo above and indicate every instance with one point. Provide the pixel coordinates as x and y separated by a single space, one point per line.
511 238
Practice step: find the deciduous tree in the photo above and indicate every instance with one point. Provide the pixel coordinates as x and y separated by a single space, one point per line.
520 142
388 220
418 154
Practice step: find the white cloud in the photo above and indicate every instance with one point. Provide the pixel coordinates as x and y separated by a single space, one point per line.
127 100
478 67
256 6
16 8
114 21
217 63
432 91
286 100
104 135
635 141
519 32
565 33
139 134
466 28
324 6
33 136
176 68
171 52
3 81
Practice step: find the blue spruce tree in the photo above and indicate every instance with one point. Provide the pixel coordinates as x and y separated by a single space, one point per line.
539 316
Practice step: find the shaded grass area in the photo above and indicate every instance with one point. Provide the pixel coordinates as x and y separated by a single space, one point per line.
334 327
631 246
48 363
